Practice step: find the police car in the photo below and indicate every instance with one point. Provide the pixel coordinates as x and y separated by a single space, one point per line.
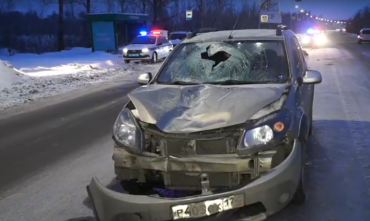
177 36
148 47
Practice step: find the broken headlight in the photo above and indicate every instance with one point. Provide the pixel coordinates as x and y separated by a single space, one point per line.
273 126
126 130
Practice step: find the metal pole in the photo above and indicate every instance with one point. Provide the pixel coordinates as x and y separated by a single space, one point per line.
259 13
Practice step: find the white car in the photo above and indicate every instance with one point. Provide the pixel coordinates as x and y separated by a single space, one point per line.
177 36
364 35
152 47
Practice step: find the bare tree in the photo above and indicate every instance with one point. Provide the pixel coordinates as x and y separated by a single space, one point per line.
110 5
7 4
122 4
86 4
142 5
61 25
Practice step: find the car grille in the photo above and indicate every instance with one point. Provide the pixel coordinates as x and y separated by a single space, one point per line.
133 51
207 144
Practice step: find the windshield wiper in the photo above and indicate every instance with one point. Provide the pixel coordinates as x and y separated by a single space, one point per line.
232 82
178 83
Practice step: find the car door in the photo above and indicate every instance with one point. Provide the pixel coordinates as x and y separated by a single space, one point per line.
304 94
159 47
366 35
167 47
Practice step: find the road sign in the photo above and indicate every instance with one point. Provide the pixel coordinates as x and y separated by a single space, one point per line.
264 18
189 15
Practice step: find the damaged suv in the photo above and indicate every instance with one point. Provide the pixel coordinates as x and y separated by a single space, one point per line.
222 126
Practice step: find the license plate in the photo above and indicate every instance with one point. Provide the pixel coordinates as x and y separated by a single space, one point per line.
133 55
207 208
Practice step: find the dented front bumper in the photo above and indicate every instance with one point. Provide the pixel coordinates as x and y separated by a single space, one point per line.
273 189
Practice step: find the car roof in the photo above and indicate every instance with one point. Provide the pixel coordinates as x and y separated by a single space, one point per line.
246 34
179 32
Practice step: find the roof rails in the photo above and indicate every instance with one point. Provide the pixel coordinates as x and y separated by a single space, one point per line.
280 29
199 31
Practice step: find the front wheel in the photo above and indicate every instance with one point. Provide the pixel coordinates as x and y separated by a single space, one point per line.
154 58
127 61
359 42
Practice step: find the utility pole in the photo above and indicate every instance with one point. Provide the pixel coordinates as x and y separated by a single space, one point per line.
269 5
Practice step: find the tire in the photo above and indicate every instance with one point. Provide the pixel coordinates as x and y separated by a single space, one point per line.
127 61
310 130
359 42
300 195
154 58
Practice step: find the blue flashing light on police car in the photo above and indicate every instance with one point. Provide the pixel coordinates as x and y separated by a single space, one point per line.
310 31
143 33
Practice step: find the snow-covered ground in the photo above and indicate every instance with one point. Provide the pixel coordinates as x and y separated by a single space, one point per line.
28 77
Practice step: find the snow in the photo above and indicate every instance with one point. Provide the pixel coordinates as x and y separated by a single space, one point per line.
28 77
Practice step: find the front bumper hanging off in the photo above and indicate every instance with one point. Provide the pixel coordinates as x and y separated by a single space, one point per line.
273 189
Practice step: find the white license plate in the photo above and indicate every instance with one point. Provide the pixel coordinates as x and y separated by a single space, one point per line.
133 55
207 208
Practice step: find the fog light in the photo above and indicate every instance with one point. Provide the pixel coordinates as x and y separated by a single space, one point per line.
284 198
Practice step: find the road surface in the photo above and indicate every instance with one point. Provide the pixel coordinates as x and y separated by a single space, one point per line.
48 156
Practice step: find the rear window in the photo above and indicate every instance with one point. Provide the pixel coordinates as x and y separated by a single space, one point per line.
366 32
252 61
176 36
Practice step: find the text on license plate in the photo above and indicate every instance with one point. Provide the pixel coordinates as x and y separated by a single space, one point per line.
207 208
133 55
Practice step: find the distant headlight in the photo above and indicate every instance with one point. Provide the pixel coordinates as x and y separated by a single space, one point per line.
320 39
125 50
271 127
127 132
306 40
145 50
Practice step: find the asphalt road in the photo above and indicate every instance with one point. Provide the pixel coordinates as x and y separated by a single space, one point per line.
48 156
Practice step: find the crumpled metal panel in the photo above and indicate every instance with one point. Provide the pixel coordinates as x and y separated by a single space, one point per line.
194 108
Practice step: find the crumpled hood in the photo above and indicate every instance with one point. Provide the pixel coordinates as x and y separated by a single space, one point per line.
194 108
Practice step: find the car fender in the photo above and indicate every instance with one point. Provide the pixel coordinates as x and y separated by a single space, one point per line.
303 127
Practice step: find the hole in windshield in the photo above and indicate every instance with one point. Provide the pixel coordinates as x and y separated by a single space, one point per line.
244 62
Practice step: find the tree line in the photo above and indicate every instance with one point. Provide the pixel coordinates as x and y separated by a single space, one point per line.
39 31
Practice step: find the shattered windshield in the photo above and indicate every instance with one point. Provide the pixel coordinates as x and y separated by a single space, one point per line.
144 40
233 61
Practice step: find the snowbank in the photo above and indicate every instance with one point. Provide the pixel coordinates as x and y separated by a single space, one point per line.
10 76
39 76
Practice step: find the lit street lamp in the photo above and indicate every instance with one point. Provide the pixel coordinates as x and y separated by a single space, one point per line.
296 6
302 10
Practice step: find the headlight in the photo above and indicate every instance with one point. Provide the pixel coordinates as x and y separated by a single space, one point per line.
257 136
320 39
145 50
126 131
125 50
273 126
306 40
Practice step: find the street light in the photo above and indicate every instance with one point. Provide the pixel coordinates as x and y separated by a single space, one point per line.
302 10
296 6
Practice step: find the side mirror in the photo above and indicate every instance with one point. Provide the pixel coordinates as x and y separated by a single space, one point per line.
305 53
312 77
144 79
159 43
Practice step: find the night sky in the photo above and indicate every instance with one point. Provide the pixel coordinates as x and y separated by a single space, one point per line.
330 9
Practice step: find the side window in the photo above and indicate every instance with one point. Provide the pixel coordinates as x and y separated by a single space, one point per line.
165 41
298 63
